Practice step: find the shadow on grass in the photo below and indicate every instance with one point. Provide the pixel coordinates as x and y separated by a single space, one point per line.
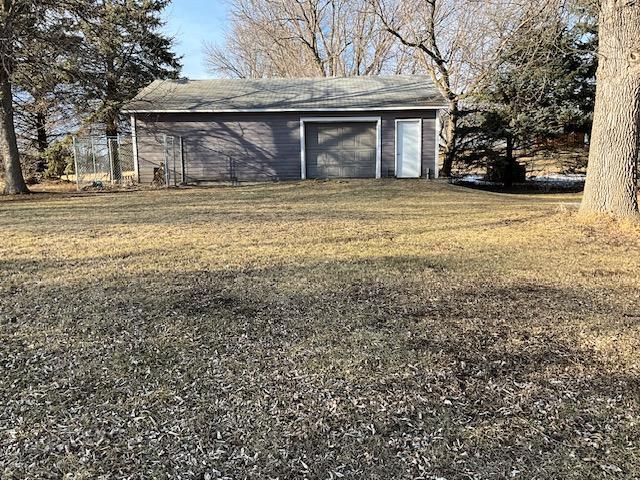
388 368
527 188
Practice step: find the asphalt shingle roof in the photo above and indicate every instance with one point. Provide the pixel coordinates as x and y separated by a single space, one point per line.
278 94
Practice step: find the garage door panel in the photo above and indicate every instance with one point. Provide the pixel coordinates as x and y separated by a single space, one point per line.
348 137
328 137
367 139
340 150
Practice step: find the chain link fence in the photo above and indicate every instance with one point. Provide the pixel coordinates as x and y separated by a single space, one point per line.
159 160
101 161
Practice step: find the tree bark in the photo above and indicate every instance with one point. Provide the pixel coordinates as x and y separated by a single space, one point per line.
41 130
111 123
114 149
13 180
42 140
510 166
451 137
615 143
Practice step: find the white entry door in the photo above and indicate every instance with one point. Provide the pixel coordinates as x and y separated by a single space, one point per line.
408 148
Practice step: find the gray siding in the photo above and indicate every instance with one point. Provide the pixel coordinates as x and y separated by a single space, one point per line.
253 146
429 158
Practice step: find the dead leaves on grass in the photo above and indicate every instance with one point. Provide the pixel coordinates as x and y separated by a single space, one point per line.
316 332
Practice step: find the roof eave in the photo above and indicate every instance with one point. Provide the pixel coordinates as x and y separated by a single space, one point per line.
285 110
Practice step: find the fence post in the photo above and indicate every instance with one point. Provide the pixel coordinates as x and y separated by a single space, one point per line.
166 161
75 162
111 161
173 157
93 155
119 145
182 166
134 148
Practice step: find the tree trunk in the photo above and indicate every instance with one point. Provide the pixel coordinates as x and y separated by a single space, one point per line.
615 143
41 130
113 147
451 136
509 168
111 122
42 141
13 180
111 126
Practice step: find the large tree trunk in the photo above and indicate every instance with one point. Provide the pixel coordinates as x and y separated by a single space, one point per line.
114 148
615 143
13 180
451 136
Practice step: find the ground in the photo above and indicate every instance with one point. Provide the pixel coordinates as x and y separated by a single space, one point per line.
369 330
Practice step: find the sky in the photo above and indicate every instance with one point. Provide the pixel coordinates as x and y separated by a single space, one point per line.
191 23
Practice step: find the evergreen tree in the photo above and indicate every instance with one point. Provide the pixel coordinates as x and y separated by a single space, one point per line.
544 88
92 54
124 50
43 97
25 26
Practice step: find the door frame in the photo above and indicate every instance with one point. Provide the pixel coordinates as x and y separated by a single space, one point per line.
303 148
395 146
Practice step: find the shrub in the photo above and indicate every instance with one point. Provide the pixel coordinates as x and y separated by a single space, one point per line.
506 172
59 159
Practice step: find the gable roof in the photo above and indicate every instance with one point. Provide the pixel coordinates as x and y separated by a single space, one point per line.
402 92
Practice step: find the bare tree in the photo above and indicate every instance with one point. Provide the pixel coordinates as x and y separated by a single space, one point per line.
459 43
615 138
300 38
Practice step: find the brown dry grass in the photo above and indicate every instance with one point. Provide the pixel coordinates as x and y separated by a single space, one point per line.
370 330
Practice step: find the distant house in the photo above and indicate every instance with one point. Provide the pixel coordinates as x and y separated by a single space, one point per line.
285 129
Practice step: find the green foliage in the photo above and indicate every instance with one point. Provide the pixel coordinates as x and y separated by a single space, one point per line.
25 25
77 61
544 88
59 159
124 50
44 100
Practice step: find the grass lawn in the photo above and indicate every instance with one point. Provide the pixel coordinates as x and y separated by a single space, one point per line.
369 330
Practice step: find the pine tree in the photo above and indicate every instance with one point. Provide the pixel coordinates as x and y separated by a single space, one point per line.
43 96
18 22
124 50
26 28
544 88
98 52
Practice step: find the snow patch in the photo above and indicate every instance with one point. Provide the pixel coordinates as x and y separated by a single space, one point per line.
560 179
556 179
476 180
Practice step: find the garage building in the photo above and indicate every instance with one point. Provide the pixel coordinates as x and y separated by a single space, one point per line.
286 129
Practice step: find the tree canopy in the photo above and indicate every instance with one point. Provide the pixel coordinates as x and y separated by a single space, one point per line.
85 58
543 88
124 49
